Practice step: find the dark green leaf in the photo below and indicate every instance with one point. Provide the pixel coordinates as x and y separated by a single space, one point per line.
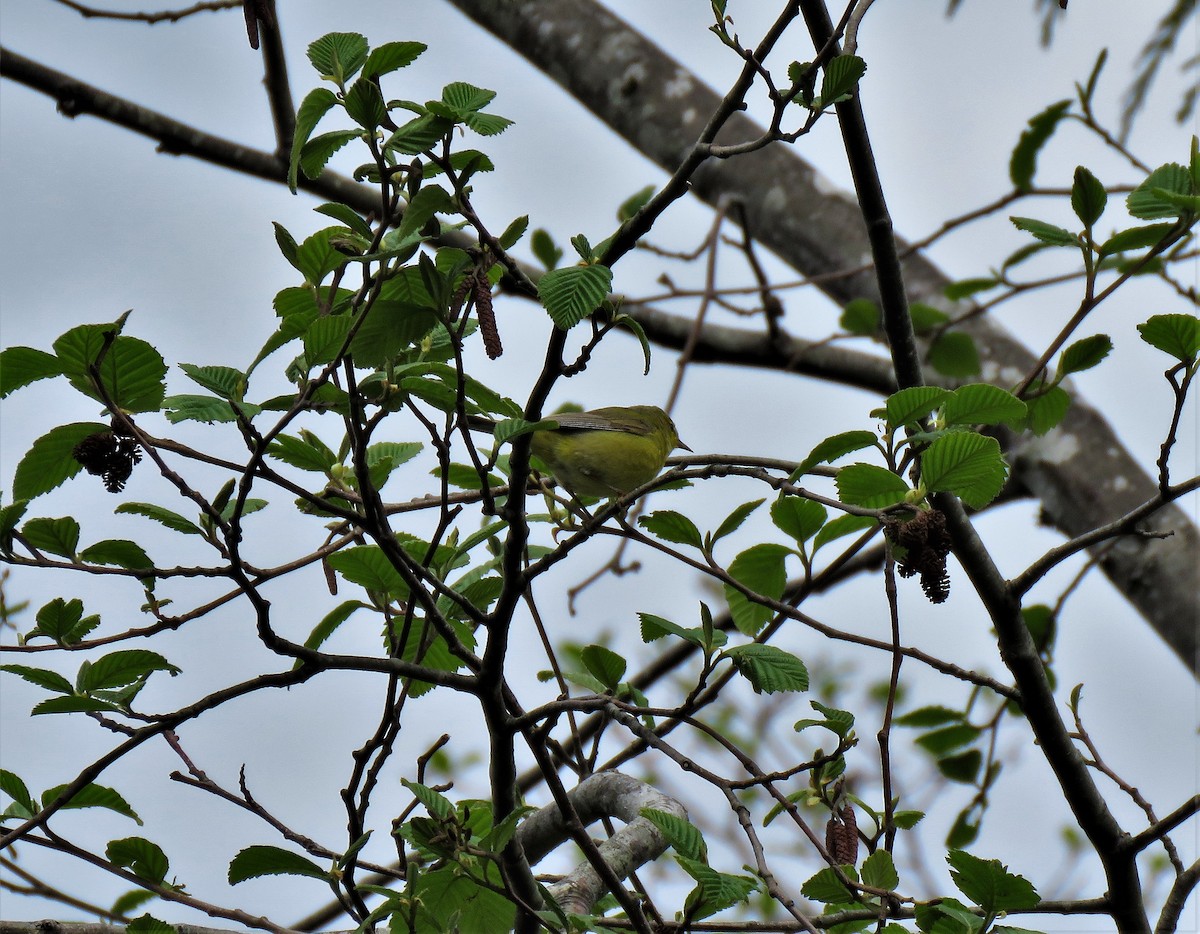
42 677
20 366
733 521
1046 233
861 316
514 232
870 486
62 620
571 294
1135 238
132 373
1084 354
909 406
963 767
544 249
255 861
825 887
118 669
842 74
119 552
879 870
604 664
364 104
16 789
93 796
320 149
392 56
1088 197
966 464
1047 407
631 205
683 836
672 527
842 525
223 381
144 859
768 668
1023 162
989 884
800 518
946 738
835 446
368 566
57 536
965 288
1175 334
954 354
714 891
760 569
338 55
983 404
314 106
1151 198
930 716
208 409
49 462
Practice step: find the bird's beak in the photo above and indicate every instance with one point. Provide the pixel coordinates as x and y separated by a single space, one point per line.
680 444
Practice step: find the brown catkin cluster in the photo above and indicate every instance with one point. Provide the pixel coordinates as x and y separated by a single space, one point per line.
841 836
926 544
109 455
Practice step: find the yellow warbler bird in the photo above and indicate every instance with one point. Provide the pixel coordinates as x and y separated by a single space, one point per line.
609 451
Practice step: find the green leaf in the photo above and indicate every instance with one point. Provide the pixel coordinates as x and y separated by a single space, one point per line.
1088 197
119 552
427 202
1084 354
367 566
768 668
171 520
1135 238
870 486
683 836
989 884
189 408
145 924
132 373
714 891
43 678
93 796
965 288
930 716
879 870
672 526
75 704
841 526
144 859
825 887
338 55
733 521
954 354
800 518
1047 407
314 106
326 338
118 669
836 721
926 318
906 820
391 56
963 767
634 203
320 149
1175 334
1046 233
571 294
835 446
514 232
1152 199
983 404
654 628
20 366
966 464
544 249
16 789
946 738
57 536
49 462
224 381
964 831
760 569
348 216
308 452
364 104
1023 162
606 665
437 804
317 257
861 317
62 620
255 861
842 74
909 406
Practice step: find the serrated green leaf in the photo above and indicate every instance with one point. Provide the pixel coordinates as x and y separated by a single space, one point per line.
672 526
800 518
224 381
760 569
734 520
437 804
841 526
879 870
392 56
49 462
338 55
172 520
119 552
16 789
606 665
118 669
1135 238
1088 197
870 486
93 796
367 566
132 373
682 835
317 152
144 859
1050 234
314 106
715 891
963 767
325 339
768 668
364 104
307 452
909 406
983 404
57 536
1084 354
42 677
572 293
145 924
835 446
20 366
190 408
989 884
966 464
255 861
1175 334
656 627
74 704
842 74
62 620
1023 162
1047 407
825 887
1151 199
